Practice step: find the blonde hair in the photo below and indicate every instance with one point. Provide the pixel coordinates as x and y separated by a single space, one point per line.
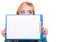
24 4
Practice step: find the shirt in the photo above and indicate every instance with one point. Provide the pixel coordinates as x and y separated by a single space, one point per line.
44 40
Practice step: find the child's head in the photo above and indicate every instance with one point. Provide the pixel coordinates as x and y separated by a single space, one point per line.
26 8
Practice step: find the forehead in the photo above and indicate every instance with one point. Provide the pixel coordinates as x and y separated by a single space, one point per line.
26 8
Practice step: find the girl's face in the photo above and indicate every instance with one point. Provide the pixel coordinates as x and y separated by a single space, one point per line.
26 10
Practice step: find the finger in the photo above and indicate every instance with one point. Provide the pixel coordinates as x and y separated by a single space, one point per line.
40 27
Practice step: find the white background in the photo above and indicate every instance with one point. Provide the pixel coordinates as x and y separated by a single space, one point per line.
49 8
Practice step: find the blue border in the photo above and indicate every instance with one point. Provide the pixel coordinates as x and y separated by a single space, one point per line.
41 19
6 26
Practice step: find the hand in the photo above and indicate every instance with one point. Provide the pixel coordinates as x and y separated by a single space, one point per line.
45 32
3 32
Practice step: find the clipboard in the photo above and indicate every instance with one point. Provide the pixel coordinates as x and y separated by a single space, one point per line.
24 27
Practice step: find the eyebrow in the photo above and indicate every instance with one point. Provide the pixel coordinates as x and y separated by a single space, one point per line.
30 10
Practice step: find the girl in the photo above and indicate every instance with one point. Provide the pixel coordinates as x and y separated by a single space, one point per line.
26 8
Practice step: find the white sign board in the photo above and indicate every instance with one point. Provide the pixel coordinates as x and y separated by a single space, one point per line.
23 27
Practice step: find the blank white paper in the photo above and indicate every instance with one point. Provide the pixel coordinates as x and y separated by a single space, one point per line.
23 27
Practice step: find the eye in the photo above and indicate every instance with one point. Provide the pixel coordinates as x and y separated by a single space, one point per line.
22 12
30 11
